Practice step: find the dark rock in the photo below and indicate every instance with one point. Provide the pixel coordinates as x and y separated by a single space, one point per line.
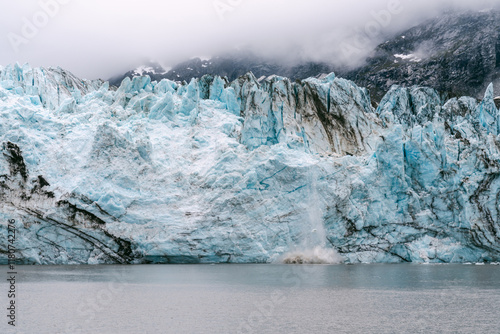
457 53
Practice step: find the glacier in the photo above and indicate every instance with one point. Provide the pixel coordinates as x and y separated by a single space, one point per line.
246 171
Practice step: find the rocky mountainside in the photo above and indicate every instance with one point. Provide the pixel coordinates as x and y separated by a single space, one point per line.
244 171
230 66
457 53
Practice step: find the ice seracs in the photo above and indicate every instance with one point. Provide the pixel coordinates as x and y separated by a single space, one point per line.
244 171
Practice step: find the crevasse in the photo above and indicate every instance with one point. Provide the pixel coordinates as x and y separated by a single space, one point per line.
218 171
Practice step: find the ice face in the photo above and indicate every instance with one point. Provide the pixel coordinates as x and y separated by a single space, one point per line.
246 171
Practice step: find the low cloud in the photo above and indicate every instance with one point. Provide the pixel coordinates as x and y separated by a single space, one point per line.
94 38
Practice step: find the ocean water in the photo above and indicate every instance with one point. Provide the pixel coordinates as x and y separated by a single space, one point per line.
255 299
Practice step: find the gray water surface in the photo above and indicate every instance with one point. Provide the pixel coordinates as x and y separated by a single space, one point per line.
256 299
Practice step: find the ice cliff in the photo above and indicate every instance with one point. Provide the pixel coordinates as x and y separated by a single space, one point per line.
244 171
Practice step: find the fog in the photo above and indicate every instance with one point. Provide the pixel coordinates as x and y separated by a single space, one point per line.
99 39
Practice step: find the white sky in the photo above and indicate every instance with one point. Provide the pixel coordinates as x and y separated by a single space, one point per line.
101 38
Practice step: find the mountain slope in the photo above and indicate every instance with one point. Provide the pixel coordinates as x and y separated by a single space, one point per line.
457 53
231 66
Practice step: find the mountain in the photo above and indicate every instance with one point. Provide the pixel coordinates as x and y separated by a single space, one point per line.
244 171
456 53
151 68
232 66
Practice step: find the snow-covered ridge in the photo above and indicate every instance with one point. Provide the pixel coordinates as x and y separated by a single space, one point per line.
244 171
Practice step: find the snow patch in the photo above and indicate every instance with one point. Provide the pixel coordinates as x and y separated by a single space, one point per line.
410 57
144 69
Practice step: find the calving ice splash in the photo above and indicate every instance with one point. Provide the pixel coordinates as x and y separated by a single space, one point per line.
316 255
314 247
244 171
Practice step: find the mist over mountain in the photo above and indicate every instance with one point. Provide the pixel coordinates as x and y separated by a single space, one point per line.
230 65
457 54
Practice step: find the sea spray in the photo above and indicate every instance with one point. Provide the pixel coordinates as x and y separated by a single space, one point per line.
317 255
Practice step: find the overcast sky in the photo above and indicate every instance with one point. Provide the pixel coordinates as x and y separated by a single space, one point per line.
101 38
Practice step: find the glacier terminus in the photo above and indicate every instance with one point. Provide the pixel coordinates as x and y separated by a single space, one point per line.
248 171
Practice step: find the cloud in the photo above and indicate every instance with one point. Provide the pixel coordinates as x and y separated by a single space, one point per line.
95 38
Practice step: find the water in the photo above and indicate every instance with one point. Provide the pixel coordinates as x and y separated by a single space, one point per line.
257 299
